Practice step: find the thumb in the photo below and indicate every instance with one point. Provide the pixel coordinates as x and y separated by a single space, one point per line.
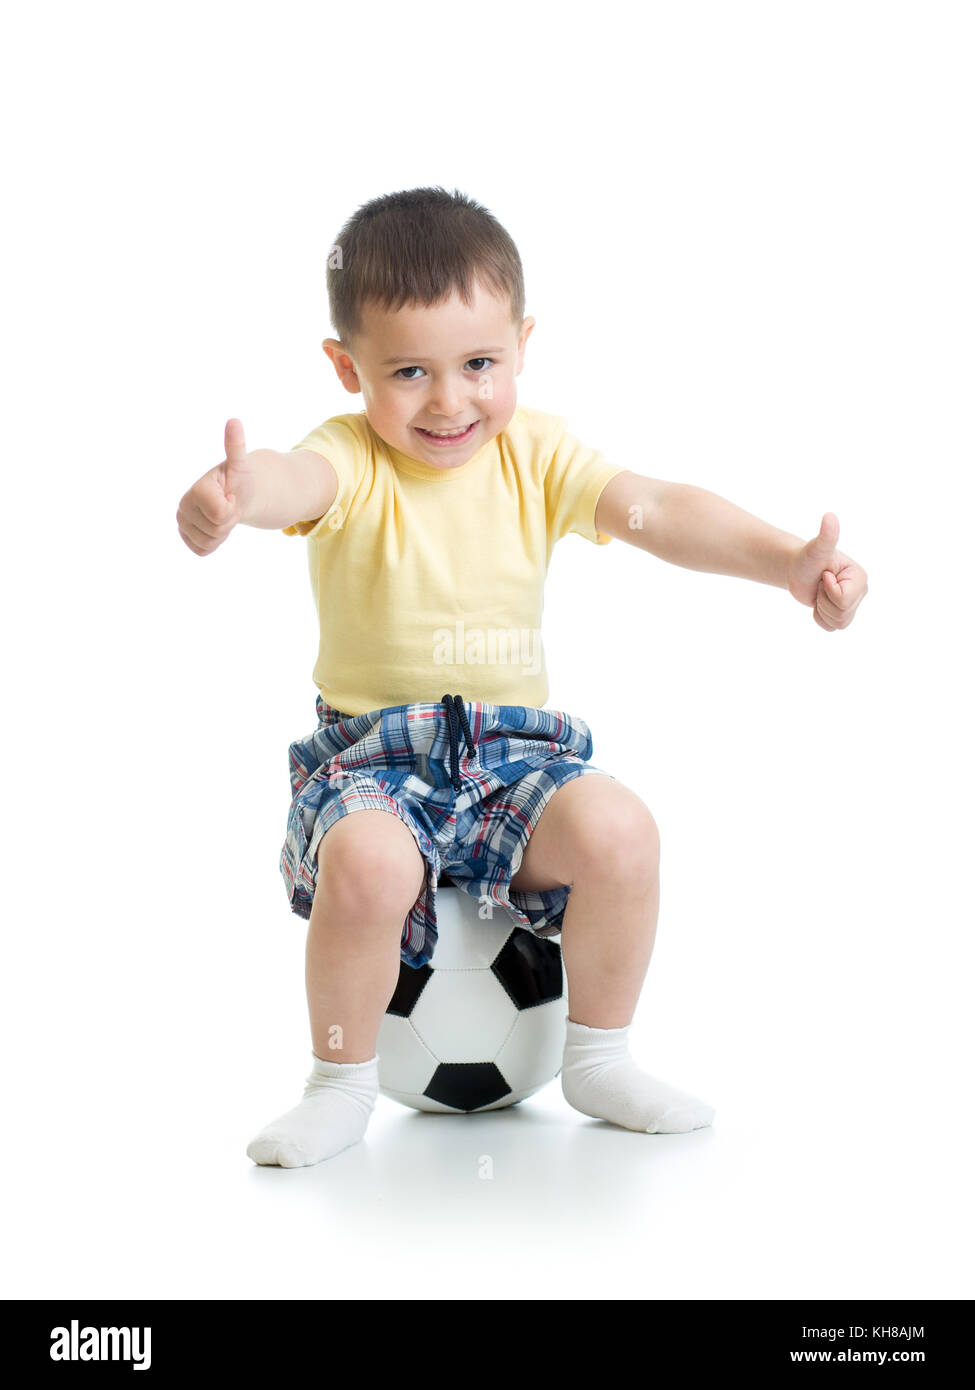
236 454
823 545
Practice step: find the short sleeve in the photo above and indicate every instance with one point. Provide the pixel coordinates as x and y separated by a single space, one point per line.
574 478
339 442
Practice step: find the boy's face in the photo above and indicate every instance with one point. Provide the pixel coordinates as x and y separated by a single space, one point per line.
457 367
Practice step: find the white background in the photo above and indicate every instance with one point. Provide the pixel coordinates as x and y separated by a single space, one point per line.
747 233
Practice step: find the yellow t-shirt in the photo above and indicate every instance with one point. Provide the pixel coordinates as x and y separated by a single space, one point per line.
430 581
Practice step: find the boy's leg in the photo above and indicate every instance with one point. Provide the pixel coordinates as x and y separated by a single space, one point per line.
370 873
597 836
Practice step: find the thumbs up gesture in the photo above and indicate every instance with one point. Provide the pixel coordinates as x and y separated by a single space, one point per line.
216 502
825 579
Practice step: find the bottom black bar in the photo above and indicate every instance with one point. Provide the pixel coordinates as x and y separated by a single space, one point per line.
167 1338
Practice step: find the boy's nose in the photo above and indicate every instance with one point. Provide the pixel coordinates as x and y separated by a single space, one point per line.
448 403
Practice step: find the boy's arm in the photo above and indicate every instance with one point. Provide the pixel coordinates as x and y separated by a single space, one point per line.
263 488
689 526
699 530
288 488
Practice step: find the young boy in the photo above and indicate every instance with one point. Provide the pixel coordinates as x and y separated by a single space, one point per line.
431 517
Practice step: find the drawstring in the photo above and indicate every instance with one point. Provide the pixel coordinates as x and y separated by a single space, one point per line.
454 707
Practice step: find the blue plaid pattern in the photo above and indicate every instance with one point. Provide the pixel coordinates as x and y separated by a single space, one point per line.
398 760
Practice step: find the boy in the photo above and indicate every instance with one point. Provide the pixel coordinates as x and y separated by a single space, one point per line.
431 518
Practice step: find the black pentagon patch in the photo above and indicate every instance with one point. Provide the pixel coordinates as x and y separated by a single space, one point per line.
529 968
467 1085
410 986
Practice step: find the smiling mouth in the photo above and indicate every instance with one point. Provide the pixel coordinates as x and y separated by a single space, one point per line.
451 437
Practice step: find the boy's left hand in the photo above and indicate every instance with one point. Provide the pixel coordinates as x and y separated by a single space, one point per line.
826 580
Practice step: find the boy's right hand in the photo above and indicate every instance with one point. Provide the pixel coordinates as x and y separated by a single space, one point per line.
216 502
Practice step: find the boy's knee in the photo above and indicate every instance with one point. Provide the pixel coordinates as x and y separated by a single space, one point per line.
372 854
623 843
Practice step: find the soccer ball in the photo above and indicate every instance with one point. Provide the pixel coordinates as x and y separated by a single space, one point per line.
482 1024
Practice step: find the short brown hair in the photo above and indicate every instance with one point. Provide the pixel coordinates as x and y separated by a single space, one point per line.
419 246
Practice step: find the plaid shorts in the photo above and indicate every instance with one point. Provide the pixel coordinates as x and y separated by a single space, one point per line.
469 779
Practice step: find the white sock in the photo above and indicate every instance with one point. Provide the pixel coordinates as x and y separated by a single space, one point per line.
333 1113
600 1078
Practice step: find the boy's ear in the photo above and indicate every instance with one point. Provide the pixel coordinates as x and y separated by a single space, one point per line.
343 364
526 328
